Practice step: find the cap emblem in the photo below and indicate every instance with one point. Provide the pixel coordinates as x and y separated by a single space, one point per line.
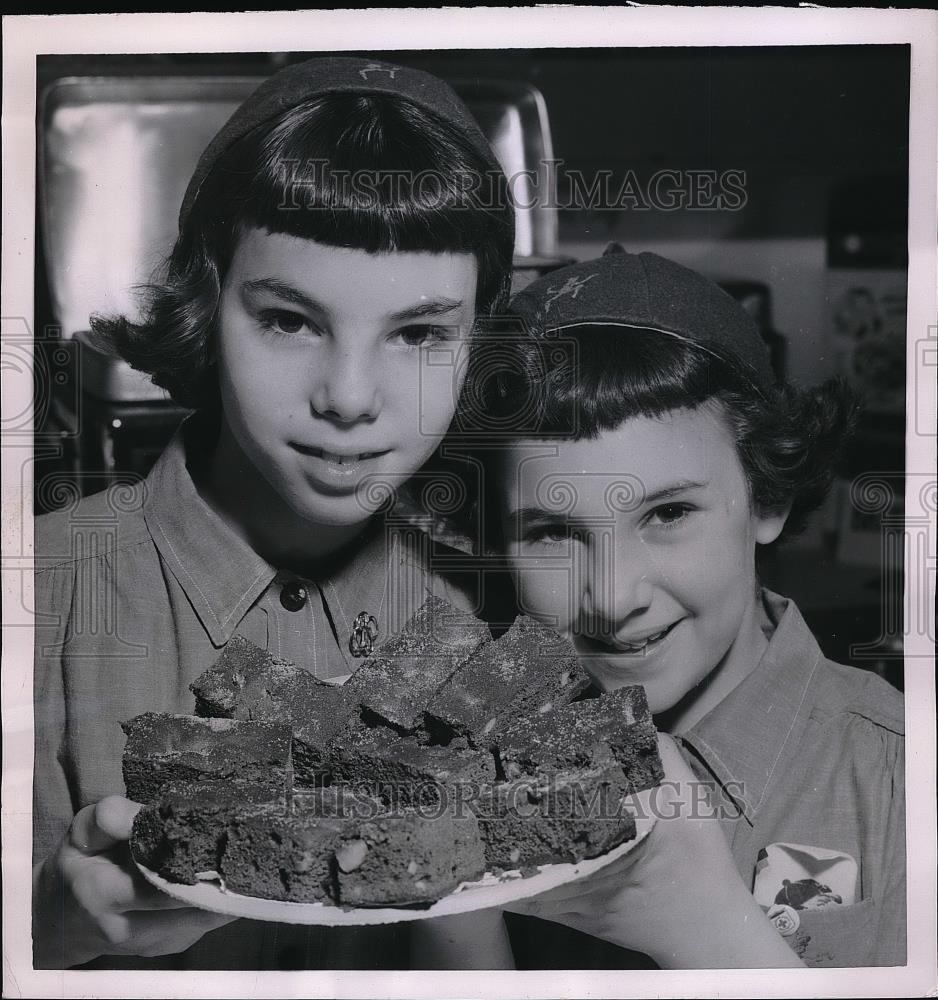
570 287
377 68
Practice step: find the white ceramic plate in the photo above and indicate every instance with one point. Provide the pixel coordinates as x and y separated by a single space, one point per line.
489 891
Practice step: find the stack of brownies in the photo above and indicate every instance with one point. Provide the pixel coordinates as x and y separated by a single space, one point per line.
446 755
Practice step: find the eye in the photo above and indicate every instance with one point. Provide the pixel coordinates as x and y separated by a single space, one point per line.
548 535
423 334
283 321
669 514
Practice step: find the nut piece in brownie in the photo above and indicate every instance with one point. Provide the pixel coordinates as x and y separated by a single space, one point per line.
399 681
163 748
246 682
529 670
556 817
406 856
586 733
181 835
404 772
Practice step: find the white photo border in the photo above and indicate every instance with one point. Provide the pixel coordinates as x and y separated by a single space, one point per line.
25 37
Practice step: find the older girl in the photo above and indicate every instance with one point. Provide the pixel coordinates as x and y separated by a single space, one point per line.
348 218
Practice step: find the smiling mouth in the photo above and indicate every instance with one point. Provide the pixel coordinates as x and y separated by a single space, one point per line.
638 648
334 458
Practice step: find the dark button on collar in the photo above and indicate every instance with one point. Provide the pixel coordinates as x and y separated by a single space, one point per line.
293 595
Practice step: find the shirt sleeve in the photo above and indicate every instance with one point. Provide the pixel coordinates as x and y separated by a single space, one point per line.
52 799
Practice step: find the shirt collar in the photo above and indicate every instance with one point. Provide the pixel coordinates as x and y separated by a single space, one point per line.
222 576
745 739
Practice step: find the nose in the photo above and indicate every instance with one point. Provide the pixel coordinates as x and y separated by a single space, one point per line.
616 584
346 386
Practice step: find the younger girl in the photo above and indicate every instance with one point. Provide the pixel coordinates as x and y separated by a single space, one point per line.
347 218
658 452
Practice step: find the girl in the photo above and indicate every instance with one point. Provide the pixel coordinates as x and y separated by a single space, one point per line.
658 453
348 218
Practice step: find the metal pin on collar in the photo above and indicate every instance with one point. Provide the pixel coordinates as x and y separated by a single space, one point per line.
364 633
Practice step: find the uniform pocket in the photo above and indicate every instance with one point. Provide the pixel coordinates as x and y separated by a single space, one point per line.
837 934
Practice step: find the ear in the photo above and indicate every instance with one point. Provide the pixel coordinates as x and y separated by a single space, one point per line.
768 526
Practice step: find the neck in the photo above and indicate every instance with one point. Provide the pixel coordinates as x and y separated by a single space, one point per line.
250 506
741 659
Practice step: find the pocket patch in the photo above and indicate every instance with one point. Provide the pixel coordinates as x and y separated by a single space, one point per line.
800 877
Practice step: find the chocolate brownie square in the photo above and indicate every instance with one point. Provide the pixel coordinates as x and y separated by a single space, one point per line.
529 670
246 682
616 725
400 680
282 856
181 835
404 772
557 817
407 856
162 749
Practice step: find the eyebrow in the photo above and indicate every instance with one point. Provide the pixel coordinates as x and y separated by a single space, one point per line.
433 307
286 292
528 515
675 489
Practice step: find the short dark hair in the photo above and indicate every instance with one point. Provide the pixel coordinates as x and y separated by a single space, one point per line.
375 172
582 382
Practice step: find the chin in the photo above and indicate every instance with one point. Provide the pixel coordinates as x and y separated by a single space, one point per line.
328 511
339 515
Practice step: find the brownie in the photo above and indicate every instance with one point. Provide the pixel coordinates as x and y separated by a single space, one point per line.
182 834
387 791
407 856
163 749
336 800
246 682
400 680
636 750
625 705
313 750
558 817
404 772
282 856
240 678
617 725
529 670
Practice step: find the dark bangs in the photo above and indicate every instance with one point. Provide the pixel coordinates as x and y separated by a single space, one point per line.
583 381
372 172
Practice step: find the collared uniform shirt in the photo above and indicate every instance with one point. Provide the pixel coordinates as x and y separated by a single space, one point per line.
138 589
802 752
809 752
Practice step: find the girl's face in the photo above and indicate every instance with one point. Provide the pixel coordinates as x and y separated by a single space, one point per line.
323 366
640 546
